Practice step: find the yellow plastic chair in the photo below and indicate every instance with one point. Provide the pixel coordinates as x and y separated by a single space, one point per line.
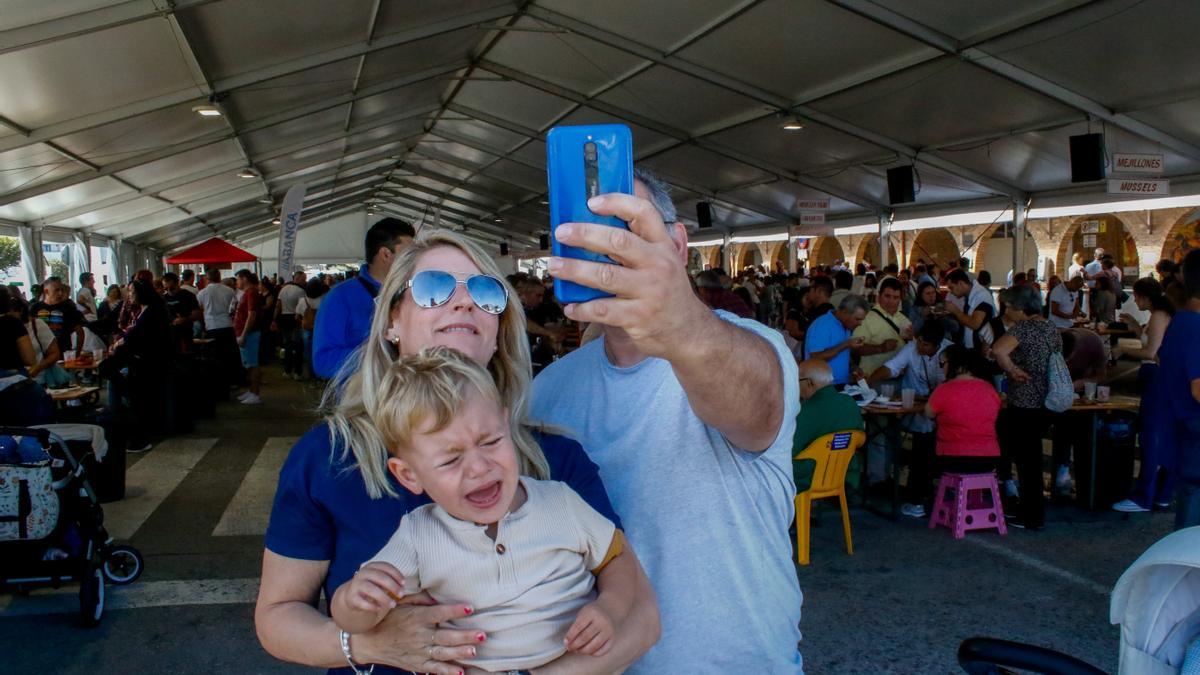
832 454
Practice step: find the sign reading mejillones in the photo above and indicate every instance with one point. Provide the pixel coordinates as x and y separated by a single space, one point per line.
1130 163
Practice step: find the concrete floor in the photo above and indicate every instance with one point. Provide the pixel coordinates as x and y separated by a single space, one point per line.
197 508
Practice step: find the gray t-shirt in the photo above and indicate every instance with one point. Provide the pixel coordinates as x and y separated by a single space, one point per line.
708 521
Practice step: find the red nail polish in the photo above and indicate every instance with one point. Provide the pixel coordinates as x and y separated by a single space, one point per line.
467 610
481 637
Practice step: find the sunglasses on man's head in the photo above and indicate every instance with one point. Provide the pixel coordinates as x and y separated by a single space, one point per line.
434 288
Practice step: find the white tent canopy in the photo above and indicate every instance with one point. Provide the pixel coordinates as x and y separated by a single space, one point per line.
435 111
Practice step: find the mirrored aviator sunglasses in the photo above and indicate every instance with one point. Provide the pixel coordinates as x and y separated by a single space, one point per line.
434 288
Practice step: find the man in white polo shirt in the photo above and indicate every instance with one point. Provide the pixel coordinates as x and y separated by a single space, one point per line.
1064 303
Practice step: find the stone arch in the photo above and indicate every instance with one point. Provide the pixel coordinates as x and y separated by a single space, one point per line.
1182 237
747 256
993 252
868 251
1116 239
709 255
825 251
781 255
936 245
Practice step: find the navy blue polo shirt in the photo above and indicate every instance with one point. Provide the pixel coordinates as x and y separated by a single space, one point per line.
322 510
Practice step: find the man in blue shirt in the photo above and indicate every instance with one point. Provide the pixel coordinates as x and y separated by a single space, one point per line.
1178 382
345 315
829 337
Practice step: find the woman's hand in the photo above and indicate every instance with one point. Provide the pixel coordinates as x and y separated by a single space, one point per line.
409 638
1018 375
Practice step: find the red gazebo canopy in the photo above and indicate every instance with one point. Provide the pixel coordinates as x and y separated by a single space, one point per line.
212 251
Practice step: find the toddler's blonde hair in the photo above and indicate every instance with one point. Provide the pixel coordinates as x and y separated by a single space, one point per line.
423 393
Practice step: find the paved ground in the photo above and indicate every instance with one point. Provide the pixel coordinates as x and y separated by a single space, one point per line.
197 508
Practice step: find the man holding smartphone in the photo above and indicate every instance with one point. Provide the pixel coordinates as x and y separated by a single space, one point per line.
689 414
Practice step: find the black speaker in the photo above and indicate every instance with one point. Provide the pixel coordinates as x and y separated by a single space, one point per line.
544 242
503 248
900 185
704 214
1087 158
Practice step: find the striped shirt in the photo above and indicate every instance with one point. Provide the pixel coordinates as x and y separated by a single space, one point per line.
526 586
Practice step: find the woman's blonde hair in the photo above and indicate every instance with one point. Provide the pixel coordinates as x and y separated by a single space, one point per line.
421 394
350 396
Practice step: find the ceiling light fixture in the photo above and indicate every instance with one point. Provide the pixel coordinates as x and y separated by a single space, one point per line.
275 222
792 124
247 173
265 200
207 110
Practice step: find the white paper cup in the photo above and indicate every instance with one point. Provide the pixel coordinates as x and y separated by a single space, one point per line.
69 355
886 390
908 397
1089 390
1102 393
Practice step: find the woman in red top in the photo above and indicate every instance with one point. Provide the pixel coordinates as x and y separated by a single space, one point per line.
965 407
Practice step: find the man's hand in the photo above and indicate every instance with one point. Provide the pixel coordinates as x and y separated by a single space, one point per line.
241 340
888 345
654 300
592 631
907 333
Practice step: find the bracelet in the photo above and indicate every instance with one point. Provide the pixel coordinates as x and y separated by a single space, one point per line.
345 637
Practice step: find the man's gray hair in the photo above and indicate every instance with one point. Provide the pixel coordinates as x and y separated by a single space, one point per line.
853 303
821 377
818 372
660 194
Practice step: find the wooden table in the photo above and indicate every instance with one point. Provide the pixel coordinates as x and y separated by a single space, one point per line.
889 415
77 368
892 414
73 393
1094 408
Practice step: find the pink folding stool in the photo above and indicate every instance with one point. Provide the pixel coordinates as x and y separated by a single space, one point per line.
961 504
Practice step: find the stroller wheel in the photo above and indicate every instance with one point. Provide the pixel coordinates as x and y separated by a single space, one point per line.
91 597
122 564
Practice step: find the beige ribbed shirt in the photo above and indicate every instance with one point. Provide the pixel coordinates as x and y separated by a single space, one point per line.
526 586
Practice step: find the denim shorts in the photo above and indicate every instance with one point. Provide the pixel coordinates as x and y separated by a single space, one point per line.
249 349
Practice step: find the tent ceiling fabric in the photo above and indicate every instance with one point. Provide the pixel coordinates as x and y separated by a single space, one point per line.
438 109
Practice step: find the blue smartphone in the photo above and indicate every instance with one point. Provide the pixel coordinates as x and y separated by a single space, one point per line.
583 162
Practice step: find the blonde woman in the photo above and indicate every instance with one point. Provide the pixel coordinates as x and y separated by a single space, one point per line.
337 504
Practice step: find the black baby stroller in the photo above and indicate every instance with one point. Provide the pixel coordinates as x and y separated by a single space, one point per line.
52 526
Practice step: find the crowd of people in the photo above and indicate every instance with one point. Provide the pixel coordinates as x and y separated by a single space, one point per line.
134 335
939 330
555 518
